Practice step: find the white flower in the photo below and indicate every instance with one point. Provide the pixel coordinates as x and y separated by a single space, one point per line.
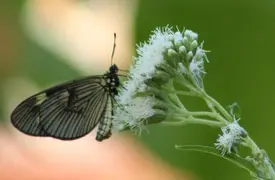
150 55
132 115
191 34
232 134
197 67
197 64
225 143
132 110
163 46
234 128
201 54
178 37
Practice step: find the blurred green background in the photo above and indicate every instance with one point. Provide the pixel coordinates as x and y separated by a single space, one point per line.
240 35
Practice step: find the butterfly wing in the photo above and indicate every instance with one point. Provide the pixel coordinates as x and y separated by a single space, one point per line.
67 111
26 116
105 124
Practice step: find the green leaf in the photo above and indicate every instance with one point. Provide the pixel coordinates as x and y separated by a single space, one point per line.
233 158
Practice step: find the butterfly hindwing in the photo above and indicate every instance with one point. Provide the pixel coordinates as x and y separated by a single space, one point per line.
67 111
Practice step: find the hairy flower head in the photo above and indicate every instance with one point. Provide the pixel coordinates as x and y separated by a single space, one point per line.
232 134
164 56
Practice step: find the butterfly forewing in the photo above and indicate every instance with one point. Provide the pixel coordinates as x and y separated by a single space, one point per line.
67 111
26 116
76 120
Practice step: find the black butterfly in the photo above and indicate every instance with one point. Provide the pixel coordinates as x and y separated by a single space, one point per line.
72 109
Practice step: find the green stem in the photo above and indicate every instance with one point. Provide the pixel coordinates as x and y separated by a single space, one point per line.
175 97
182 81
250 143
218 106
256 151
218 112
201 113
177 101
213 115
210 106
184 93
183 121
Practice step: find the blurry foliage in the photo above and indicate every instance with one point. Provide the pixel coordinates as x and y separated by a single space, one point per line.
240 35
27 59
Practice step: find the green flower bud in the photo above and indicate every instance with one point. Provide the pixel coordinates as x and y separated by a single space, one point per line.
194 45
182 50
178 44
189 56
172 53
185 41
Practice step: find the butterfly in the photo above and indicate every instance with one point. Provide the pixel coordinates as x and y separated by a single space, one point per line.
71 110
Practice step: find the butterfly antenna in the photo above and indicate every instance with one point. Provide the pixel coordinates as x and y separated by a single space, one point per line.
114 48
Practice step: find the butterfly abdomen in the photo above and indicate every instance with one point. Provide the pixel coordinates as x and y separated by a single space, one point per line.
104 130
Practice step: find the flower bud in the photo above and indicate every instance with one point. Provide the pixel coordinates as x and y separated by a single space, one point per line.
178 43
185 41
172 53
189 56
194 45
182 50
190 34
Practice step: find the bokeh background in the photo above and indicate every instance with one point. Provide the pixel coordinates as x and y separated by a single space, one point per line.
46 42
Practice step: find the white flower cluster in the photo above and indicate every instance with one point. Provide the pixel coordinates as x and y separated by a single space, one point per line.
232 134
132 108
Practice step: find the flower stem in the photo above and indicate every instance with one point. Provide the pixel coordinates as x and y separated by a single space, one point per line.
216 104
217 112
257 152
184 93
213 115
191 120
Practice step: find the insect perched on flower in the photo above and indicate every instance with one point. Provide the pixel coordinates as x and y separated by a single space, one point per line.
72 109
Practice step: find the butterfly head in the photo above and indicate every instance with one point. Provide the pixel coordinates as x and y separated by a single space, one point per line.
113 69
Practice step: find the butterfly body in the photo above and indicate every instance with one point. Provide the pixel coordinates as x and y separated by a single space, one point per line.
70 110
